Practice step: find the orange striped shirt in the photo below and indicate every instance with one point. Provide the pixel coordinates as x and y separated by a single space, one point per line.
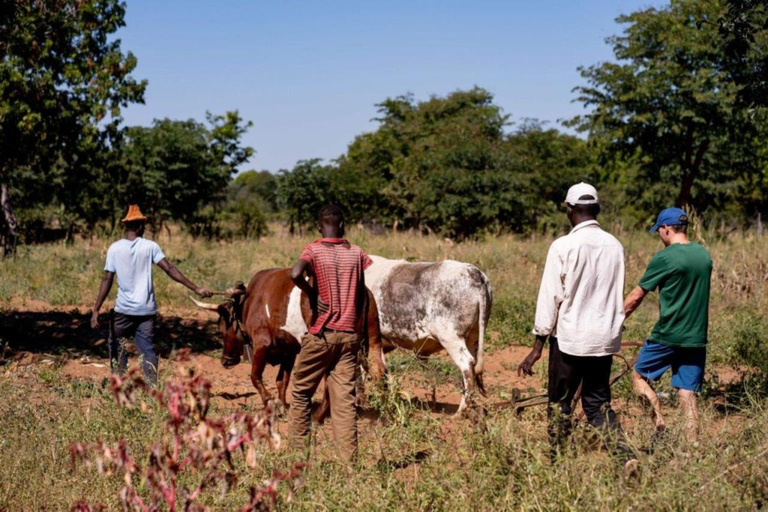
338 269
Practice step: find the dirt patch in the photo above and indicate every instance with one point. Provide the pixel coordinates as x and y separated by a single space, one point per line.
62 338
68 331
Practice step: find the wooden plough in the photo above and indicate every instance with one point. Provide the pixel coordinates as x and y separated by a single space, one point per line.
519 403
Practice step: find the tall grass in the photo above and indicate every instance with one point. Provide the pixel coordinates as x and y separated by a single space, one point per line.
411 458
68 275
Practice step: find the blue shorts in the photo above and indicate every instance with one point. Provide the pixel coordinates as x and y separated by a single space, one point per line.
687 364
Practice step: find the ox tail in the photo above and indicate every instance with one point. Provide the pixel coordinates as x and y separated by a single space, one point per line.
484 312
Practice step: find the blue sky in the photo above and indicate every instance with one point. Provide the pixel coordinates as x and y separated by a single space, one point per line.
308 74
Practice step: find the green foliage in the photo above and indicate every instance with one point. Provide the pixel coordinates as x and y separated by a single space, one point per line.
671 102
251 221
257 186
181 169
549 162
744 30
251 201
443 165
679 116
63 81
443 161
749 349
302 191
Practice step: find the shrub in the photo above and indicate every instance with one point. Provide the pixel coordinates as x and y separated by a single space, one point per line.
191 442
749 349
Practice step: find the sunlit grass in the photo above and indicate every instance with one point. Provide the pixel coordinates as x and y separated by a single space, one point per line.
411 458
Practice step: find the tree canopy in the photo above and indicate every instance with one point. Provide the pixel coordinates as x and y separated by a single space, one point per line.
176 168
63 82
679 115
671 105
446 165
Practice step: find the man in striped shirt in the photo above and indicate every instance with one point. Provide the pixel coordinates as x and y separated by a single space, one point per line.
337 297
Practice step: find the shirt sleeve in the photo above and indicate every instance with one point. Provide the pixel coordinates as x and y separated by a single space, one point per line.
657 272
157 254
308 255
551 294
366 260
109 266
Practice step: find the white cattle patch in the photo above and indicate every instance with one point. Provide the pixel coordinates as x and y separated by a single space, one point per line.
425 306
266 308
294 322
377 274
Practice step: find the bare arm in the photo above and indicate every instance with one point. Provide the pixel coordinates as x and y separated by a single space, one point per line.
526 367
104 289
300 268
177 276
633 300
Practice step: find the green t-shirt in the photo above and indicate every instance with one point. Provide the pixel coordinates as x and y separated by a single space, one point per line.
681 272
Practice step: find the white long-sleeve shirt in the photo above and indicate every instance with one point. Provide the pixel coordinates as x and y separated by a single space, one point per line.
581 299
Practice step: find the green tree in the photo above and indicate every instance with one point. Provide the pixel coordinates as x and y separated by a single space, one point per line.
548 162
442 164
671 103
302 191
175 169
63 82
251 198
257 186
744 31
445 165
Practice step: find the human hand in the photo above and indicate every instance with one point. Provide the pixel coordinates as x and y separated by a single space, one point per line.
526 367
322 307
317 305
203 292
95 319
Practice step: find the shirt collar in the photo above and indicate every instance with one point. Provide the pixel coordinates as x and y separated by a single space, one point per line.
584 225
331 241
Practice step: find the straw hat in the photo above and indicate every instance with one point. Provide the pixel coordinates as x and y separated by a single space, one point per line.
134 214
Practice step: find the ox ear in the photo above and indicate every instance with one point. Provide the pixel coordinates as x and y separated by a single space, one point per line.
238 295
236 291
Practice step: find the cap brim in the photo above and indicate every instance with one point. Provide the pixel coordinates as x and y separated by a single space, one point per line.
655 228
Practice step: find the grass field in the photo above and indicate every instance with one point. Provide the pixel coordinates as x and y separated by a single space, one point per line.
413 455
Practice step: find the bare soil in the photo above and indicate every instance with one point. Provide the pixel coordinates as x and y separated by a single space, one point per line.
34 333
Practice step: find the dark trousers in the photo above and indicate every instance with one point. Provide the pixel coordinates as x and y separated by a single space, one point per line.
566 372
142 330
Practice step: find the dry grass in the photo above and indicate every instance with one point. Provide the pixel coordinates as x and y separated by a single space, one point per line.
503 465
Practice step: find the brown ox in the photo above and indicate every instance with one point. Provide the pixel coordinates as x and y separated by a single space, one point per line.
272 315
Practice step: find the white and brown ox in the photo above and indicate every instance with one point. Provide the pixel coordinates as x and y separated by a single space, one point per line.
427 307
271 316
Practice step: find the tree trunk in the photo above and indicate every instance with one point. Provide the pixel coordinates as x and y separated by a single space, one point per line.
684 197
690 174
10 223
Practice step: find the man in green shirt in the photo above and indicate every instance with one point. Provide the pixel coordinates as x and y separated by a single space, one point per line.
681 272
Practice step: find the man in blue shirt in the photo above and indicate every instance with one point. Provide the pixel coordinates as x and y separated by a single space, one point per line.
135 309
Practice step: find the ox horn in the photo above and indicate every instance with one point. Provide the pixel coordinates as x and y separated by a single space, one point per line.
235 291
204 305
